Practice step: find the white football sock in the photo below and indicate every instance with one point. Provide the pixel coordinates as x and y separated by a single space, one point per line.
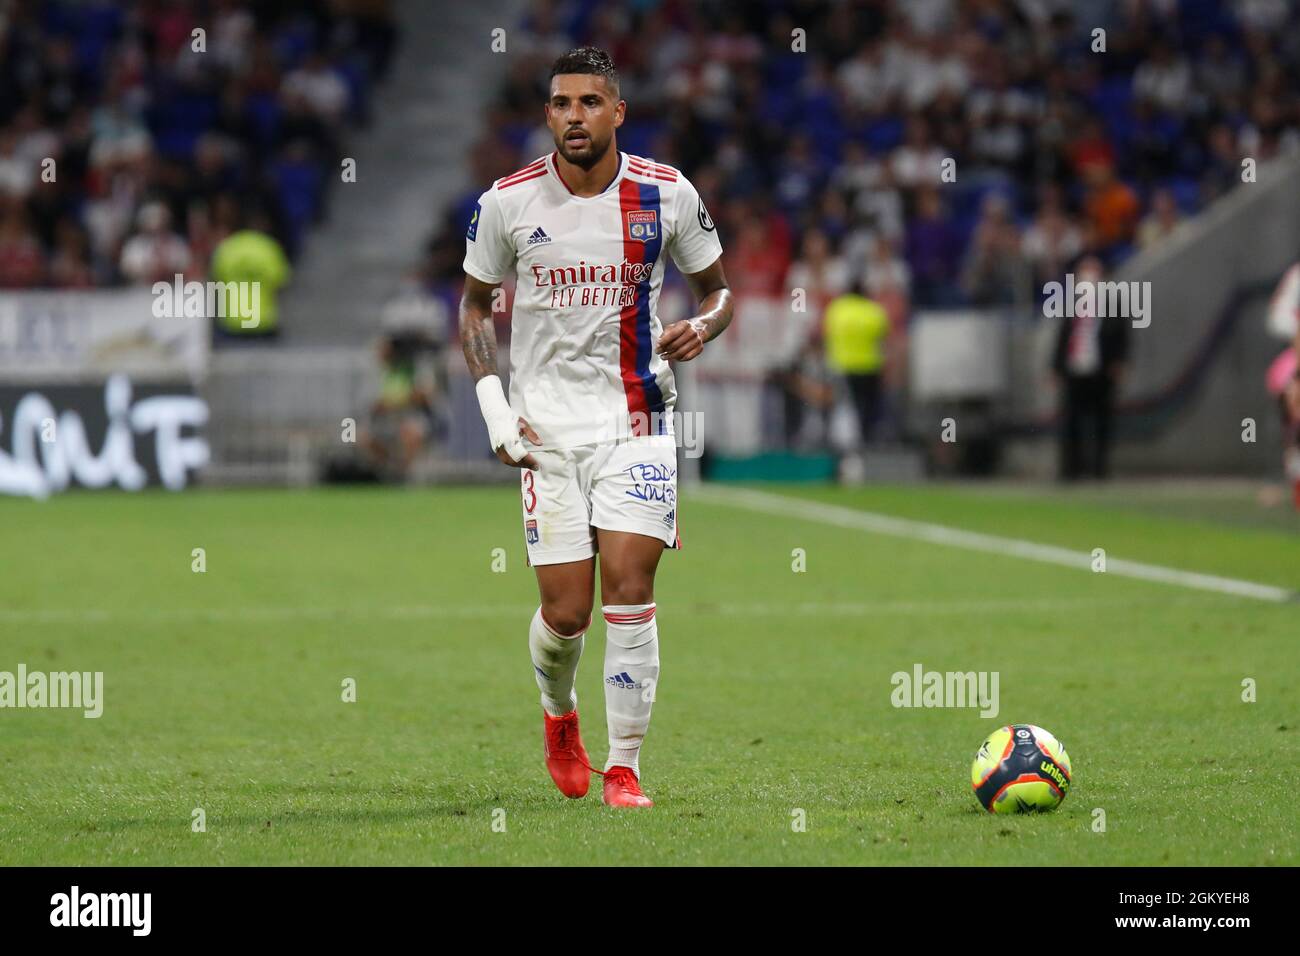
631 676
555 664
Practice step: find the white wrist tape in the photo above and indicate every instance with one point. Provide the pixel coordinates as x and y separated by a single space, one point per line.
502 422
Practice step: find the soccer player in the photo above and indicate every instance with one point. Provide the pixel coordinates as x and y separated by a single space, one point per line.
1283 376
589 418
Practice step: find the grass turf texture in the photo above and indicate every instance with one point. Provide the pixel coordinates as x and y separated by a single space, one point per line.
223 689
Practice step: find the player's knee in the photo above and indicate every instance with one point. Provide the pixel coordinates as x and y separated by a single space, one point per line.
566 620
629 592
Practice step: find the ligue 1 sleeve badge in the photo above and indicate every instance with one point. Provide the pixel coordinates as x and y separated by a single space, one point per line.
643 224
706 221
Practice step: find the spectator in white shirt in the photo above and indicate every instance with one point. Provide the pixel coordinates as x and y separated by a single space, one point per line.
155 253
320 86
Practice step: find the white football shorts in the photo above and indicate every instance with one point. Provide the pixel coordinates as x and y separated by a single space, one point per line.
628 485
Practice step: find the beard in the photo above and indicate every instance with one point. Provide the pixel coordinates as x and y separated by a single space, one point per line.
586 156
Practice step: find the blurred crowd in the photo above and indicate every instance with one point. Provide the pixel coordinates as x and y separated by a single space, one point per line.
138 135
819 132
928 153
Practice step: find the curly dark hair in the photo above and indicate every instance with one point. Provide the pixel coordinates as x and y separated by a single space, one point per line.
588 59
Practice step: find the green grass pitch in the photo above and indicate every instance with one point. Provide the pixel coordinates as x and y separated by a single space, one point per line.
223 690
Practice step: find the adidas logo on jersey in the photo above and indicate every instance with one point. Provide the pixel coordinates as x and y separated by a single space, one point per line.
539 235
623 680
670 519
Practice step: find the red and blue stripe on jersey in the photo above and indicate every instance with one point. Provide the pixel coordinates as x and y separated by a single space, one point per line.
635 345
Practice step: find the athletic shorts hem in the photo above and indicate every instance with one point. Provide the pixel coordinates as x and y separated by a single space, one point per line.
667 535
537 557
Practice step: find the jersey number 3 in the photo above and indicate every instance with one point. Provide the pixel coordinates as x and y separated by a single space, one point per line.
530 495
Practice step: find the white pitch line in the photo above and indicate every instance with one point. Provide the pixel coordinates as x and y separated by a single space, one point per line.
874 523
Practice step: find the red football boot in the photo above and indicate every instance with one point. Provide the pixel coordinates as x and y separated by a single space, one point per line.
566 758
622 789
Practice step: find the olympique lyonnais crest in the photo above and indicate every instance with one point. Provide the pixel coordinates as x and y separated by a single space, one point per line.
643 224
530 530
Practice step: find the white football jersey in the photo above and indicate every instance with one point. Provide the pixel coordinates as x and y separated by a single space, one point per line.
1284 308
582 363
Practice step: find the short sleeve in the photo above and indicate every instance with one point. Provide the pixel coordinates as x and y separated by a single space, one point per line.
489 253
695 245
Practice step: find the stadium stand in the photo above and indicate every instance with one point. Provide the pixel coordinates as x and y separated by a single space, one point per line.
814 131
1060 152
172 137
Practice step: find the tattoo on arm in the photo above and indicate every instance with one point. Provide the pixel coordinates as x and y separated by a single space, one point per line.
478 336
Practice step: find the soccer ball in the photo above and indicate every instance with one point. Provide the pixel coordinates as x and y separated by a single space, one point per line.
1020 769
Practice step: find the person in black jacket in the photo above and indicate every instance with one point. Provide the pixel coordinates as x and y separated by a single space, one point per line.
1088 360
